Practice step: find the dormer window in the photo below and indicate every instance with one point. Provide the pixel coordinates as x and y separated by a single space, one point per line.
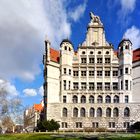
65 47
83 52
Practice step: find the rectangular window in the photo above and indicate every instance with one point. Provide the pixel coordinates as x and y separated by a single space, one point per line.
65 71
126 84
69 85
121 72
83 73
78 124
126 124
91 86
126 70
64 99
121 85
83 85
99 86
115 86
107 86
91 73
64 125
83 60
75 73
115 73
69 71
107 73
64 83
91 60
99 60
107 60
99 73
75 85
95 125
126 99
111 124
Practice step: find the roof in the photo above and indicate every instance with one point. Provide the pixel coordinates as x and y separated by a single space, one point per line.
136 55
66 40
38 107
54 55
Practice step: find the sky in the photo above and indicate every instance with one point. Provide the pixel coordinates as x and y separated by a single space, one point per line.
25 24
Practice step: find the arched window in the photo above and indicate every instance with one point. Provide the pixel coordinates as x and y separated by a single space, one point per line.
99 99
83 99
75 99
83 52
99 52
127 47
91 52
107 52
99 112
65 112
116 99
115 112
126 112
91 99
82 112
75 112
108 112
92 112
65 47
108 99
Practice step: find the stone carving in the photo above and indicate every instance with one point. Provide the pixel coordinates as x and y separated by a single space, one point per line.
95 18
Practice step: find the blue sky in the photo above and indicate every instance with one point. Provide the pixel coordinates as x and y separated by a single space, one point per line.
25 25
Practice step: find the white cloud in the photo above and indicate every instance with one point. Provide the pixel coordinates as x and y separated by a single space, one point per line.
30 92
133 34
78 12
8 89
41 91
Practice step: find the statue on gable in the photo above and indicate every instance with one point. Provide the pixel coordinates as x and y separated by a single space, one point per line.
95 18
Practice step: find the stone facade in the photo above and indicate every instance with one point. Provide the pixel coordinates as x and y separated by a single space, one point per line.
90 87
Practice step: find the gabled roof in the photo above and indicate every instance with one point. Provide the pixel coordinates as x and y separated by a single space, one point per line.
136 55
54 55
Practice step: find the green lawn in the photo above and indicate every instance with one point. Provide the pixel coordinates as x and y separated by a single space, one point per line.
72 136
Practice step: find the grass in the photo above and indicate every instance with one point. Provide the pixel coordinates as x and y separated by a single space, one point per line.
62 136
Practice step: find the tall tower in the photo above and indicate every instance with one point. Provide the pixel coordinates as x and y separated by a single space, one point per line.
66 57
125 69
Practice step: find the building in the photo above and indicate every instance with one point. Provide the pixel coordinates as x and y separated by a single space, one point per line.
32 115
91 87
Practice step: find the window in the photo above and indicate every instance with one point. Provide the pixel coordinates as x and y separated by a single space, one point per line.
91 52
65 71
91 60
127 47
111 124
99 73
121 85
75 73
83 60
107 73
65 112
126 112
126 124
91 73
126 84
83 52
99 112
121 72
99 99
115 86
83 99
75 99
107 86
116 99
65 47
99 60
82 112
99 86
83 85
69 85
92 112
78 124
107 52
75 85
64 99
91 99
64 125
115 112
69 71
108 99
91 86
83 73
108 112
126 70
64 82
69 49
115 73
95 124
126 99
107 60
75 112
99 52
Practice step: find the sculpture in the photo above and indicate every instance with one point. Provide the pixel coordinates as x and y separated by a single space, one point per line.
95 18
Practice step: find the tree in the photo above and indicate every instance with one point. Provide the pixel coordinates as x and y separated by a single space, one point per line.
136 126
